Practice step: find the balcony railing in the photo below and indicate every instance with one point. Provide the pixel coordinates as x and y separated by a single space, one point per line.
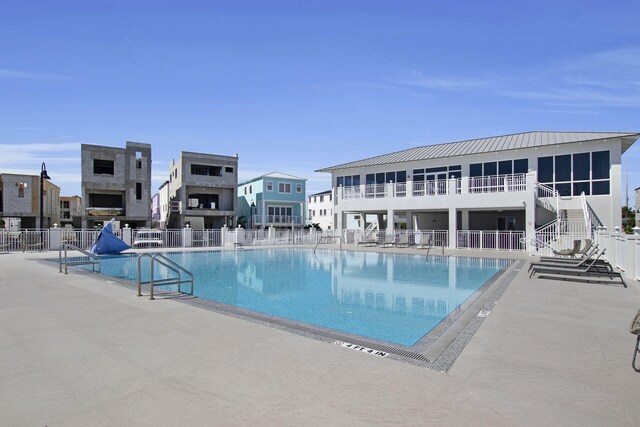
464 185
277 219
498 183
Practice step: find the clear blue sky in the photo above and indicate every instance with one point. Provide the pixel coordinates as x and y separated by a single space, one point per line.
294 86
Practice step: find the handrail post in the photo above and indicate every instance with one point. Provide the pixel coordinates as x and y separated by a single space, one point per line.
151 282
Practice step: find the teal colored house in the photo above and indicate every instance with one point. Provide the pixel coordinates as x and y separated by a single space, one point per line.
275 199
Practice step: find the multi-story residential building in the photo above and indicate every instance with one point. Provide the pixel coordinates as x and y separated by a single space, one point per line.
275 199
155 210
202 191
20 198
116 183
163 191
70 211
320 209
511 182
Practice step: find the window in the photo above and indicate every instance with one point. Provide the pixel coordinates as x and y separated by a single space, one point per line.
228 169
321 199
280 214
348 181
250 189
21 186
269 185
521 166
102 167
505 167
138 191
490 168
298 188
245 191
545 169
600 164
205 170
475 169
573 174
284 187
562 168
138 163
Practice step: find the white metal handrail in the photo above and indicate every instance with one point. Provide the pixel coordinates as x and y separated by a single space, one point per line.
327 238
585 212
169 264
93 258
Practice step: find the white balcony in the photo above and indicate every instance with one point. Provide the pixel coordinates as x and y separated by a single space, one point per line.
489 191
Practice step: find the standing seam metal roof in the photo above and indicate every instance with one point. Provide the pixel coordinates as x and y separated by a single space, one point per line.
482 145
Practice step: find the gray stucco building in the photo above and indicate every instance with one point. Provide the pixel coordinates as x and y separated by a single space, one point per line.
202 191
116 183
20 198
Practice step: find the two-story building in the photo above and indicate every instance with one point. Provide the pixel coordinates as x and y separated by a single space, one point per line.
20 199
320 209
70 211
514 182
116 183
202 191
275 199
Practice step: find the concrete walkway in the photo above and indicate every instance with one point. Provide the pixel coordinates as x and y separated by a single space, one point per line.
77 350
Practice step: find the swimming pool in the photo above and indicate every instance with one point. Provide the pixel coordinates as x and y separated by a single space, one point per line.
396 298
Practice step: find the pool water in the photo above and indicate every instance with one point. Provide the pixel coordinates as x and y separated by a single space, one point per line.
390 297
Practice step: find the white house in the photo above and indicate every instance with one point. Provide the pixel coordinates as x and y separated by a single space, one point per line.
512 183
320 209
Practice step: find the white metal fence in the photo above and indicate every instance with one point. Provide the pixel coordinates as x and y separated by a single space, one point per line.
621 250
25 240
497 240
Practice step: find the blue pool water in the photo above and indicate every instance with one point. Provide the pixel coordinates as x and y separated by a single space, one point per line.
390 297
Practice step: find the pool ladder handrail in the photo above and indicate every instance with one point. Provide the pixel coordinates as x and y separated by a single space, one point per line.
327 238
93 258
171 265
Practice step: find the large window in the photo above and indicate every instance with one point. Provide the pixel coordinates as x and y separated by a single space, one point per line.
573 174
348 181
502 167
102 167
206 170
439 173
138 191
279 213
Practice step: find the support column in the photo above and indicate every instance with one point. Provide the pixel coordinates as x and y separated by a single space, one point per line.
453 228
409 220
389 220
530 225
465 219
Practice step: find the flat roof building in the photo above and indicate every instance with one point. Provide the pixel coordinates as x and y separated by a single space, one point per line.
202 191
20 198
116 183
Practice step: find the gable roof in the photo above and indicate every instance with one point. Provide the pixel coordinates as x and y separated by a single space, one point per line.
484 145
322 193
273 175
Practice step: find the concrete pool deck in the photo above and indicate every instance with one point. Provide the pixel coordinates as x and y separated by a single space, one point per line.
77 350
